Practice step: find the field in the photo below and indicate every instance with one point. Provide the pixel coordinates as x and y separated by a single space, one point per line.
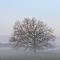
20 54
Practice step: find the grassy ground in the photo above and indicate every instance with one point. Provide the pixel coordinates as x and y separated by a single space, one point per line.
11 54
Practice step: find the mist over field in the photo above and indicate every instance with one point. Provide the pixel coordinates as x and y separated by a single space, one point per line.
7 53
5 39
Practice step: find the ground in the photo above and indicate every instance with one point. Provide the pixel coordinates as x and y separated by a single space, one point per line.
20 54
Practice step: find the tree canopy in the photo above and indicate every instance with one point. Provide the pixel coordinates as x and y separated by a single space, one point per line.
32 33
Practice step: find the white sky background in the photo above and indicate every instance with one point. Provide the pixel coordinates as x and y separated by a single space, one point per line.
13 10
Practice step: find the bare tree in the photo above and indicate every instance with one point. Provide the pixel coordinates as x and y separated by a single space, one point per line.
32 33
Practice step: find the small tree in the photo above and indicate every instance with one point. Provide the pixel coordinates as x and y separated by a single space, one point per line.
32 33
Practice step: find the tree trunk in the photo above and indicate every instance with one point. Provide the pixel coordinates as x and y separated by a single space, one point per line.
34 47
34 51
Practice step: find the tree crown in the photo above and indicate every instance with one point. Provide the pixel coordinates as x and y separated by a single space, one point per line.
32 33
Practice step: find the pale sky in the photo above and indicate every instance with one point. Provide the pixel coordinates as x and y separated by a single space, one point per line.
13 10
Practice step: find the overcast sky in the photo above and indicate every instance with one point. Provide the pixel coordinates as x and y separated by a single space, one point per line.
13 10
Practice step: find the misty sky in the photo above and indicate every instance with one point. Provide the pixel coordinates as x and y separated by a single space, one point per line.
13 10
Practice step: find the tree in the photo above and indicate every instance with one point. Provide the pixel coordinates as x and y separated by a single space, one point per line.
32 33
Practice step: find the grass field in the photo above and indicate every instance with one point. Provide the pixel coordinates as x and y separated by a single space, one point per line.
20 54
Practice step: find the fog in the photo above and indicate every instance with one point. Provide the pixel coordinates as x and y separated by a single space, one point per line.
7 53
5 39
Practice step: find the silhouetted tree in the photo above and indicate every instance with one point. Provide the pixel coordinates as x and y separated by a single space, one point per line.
32 33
